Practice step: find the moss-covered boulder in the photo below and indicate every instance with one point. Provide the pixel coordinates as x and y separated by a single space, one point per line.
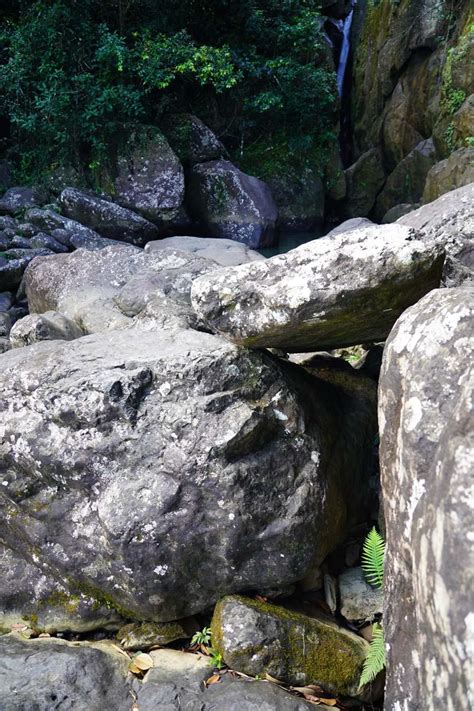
449 174
144 635
256 637
226 202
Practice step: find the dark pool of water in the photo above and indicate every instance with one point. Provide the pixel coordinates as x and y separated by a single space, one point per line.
289 241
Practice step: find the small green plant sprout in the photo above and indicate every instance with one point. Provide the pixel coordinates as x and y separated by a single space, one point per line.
373 553
373 556
216 659
202 637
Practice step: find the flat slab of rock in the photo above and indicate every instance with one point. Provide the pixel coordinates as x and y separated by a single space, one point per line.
155 470
258 638
449 220
223 251
427 452
329 293
46 674
106 217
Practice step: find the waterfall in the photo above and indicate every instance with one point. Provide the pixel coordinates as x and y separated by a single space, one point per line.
346 34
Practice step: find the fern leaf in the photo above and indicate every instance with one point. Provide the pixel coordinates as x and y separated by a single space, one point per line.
373 553
375 660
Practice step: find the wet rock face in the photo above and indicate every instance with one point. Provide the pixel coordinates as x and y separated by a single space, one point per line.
229 203
258 638
107 218
150 177
155 471
427 447
449 221
47 674
328 293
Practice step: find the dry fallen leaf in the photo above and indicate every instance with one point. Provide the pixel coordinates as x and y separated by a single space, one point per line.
18 627
272 679
214 679
328 702
43 635
311 689
143 661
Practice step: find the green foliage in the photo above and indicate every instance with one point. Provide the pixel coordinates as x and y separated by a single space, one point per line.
216 659
375 660
75 76
373 553
202 637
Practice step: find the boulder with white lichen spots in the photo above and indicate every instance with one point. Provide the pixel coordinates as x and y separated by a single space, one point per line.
427 452
329 293
156 470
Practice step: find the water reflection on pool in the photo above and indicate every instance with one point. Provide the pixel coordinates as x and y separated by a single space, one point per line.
289 241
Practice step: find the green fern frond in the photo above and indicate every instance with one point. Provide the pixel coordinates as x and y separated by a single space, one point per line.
375 660
373 553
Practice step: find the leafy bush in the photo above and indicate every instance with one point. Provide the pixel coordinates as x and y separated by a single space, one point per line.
73 74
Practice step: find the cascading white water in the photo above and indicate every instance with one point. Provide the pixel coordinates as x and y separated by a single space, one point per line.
346 43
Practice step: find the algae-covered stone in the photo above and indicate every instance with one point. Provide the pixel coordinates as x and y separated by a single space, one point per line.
256 638
148 634
32 597
229 203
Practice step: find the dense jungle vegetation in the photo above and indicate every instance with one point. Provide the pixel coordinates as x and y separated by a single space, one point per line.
74 76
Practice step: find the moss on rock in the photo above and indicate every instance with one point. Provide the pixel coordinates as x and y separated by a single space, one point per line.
256 637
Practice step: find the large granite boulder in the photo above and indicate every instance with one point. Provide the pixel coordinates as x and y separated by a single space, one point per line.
449 174
364 179
229 203
255 637
155 471
47 674
427 449
191 139
106 217
150 178
223 251
329 293
449 220
106 289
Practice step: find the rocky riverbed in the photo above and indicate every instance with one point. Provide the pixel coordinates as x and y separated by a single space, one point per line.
189 441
